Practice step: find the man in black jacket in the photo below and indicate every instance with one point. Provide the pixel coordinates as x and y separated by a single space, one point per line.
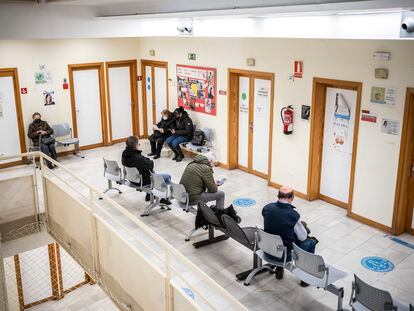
182 132
162 130
132 157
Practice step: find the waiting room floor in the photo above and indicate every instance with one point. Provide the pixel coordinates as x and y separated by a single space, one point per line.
343 241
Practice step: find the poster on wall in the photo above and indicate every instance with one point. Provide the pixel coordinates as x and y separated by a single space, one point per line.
196 88
389 126
342 118
383 96
43 75
49 98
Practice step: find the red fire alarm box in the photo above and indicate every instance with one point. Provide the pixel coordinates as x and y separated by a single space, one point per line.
65 86
139 78
298 70
23 90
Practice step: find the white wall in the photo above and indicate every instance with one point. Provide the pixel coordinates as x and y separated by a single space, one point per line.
57 54
377 155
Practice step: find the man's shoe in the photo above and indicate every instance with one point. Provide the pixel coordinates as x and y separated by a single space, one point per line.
165 201
157 156
179 159
147 197
303 284
279 273
151 154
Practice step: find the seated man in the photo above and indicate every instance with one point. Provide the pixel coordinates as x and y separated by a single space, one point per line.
182 132
199 182
132 157
282 219
40 133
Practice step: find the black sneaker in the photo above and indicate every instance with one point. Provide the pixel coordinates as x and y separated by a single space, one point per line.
175 157
151 154
165 201
157 156
279 273
303 284
179 159
147 197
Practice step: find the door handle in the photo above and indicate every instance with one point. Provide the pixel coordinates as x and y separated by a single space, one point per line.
412 170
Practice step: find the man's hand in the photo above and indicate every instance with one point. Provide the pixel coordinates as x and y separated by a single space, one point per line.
161 130
173 131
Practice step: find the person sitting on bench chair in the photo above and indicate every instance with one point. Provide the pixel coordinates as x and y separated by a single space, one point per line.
162 130
182 132
132 157
198 181
282 219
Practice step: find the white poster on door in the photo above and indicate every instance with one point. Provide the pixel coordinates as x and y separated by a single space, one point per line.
341 120
340 107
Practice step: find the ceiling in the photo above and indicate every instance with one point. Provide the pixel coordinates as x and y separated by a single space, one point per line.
144 8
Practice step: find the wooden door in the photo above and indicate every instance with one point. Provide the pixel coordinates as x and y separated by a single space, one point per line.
403 219
250 121
154 92
11 120
87 89
122 99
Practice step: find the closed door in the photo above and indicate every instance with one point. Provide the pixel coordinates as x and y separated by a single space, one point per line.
121 99
254 124
88 105
338 133
12 137
155 92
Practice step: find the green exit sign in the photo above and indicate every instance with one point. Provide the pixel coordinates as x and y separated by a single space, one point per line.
191 56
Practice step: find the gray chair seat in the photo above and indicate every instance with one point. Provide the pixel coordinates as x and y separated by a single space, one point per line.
333 276
357 306
67 141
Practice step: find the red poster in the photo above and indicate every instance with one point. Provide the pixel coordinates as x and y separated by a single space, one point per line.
196 88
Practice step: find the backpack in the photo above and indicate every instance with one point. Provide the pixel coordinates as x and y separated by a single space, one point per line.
199 138
201 222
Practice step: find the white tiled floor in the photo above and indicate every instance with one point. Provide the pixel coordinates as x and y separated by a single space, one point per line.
343 241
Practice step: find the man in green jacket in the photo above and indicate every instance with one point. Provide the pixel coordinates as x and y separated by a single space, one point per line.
199 182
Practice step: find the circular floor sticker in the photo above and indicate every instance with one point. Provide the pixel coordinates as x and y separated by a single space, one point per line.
377 264
244 202
189 292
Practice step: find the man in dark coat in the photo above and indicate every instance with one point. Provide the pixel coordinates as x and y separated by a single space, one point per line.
181 133
39 131
132 157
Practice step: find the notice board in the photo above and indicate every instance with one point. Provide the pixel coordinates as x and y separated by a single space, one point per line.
196 88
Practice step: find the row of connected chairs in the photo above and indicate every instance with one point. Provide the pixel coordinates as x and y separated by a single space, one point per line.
309 268
63 135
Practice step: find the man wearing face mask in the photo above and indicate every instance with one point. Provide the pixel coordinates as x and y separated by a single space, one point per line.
162 130
40 133
182 132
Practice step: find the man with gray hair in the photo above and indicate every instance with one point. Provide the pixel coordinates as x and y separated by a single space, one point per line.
132 157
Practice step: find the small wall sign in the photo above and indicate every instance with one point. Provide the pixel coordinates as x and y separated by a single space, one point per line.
222 92
305 112
192 56
139 78
23 90
298 69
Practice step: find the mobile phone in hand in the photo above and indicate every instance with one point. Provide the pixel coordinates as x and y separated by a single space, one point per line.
221 181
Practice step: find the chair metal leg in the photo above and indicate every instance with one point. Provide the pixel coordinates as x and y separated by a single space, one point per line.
153 204
256 272
211 238
256 263
338 291
78 151
189 234
110 188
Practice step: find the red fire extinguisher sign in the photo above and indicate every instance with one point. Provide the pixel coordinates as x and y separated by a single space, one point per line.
298 70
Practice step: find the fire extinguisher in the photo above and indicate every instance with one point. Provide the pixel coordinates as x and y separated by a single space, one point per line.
287 118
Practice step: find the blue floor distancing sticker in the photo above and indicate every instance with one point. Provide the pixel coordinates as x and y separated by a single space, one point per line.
244 202
377 264
189 292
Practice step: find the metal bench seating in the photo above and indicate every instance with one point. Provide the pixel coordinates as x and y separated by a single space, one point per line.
365 297
63 137
311 269
159 190
113 173
213 223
